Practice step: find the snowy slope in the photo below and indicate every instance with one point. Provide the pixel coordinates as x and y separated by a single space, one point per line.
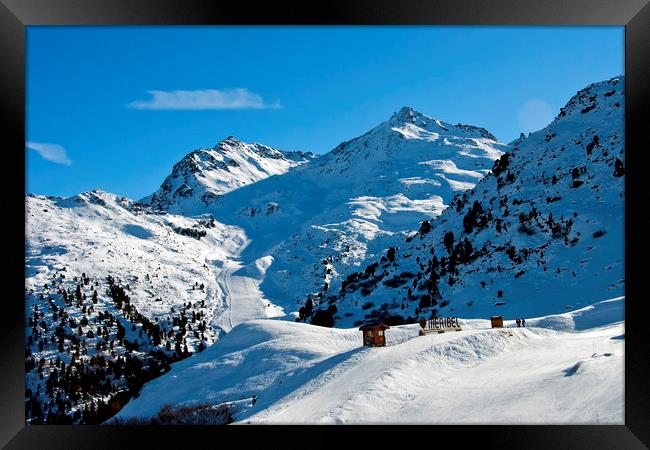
326 216
242 298
113 295
101 234
203 175
541 234
301 373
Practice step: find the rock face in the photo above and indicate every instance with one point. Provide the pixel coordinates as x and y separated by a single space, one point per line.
542 233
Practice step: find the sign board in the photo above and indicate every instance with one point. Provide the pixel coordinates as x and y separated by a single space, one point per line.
439 325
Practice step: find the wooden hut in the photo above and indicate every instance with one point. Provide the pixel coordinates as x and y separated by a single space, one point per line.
373 334
497 321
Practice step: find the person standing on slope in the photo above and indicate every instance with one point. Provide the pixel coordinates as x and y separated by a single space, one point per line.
523 322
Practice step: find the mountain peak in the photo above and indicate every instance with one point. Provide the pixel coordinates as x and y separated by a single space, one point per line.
406 114
207 173
230 140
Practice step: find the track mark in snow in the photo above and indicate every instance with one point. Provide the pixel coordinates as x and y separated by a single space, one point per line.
242 298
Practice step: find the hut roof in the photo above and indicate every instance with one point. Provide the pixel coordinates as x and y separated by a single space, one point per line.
373 326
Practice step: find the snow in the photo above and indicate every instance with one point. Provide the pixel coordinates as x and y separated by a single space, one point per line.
376 208
101 234
449 167
455 185
263 229
137 231
301 373
242 298
289 210
560 182
598 314
349 204
410 131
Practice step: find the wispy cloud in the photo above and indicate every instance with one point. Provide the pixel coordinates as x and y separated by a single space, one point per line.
239 98
50 152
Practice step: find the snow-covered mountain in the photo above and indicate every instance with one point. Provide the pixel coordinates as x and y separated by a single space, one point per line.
235 233
203 175
402 222
330 214
542 233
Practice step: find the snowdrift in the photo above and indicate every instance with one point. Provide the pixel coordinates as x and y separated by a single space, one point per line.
596 315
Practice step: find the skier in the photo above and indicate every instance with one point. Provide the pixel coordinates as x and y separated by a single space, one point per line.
518 323
523 322
254 400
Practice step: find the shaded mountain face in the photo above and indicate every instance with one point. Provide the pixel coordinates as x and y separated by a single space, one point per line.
542 233
203 175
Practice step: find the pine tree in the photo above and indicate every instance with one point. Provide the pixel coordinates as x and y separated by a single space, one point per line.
306 310
425 227
449 241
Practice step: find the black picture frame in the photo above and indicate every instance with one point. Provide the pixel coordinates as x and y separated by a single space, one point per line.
15 15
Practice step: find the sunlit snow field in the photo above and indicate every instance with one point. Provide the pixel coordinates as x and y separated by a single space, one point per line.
564 368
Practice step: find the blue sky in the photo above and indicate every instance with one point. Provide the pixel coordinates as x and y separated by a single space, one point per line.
115 107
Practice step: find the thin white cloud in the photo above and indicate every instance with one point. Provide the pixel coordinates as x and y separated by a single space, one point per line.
239 98
50 152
